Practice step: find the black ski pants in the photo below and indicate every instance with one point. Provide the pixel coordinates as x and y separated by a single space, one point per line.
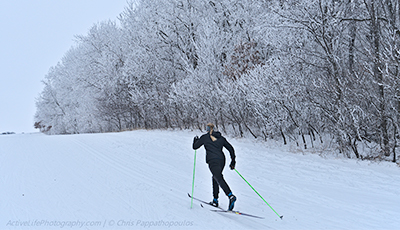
216 167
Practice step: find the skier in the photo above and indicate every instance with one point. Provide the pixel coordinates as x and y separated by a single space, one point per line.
213 142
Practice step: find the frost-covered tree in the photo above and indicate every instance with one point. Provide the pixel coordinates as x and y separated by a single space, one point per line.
88 72
293 70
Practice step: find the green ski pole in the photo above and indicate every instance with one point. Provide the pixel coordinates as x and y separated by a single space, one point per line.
258 194
194 170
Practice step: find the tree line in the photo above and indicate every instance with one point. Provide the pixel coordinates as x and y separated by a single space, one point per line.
289 70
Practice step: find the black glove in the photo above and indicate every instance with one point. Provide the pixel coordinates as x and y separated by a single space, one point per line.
196 138
232 165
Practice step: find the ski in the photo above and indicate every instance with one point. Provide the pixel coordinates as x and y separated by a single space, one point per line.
221 210
238 213
202 201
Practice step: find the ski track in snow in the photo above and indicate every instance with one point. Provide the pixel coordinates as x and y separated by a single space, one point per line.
130 180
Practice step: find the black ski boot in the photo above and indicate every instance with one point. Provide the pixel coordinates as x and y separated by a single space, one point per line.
232 200
214 202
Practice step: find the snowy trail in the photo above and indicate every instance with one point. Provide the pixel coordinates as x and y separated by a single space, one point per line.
131 180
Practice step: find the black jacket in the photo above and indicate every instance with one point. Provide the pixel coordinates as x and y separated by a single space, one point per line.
214 148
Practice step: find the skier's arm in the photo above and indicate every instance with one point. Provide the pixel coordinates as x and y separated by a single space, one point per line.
197 143
229 147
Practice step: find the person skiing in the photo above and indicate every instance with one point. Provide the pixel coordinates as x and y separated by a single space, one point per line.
213 142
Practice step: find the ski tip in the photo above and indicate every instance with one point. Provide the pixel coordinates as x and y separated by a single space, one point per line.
281 217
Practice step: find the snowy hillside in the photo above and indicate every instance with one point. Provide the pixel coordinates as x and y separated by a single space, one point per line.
140 179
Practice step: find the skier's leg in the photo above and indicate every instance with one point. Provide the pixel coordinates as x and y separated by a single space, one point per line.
216 168
215 187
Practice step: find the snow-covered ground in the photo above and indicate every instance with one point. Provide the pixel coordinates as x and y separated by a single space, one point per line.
140 180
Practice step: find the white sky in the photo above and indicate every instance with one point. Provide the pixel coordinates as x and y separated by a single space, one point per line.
34 36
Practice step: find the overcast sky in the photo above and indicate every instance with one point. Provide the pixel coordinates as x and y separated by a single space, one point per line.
35 34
